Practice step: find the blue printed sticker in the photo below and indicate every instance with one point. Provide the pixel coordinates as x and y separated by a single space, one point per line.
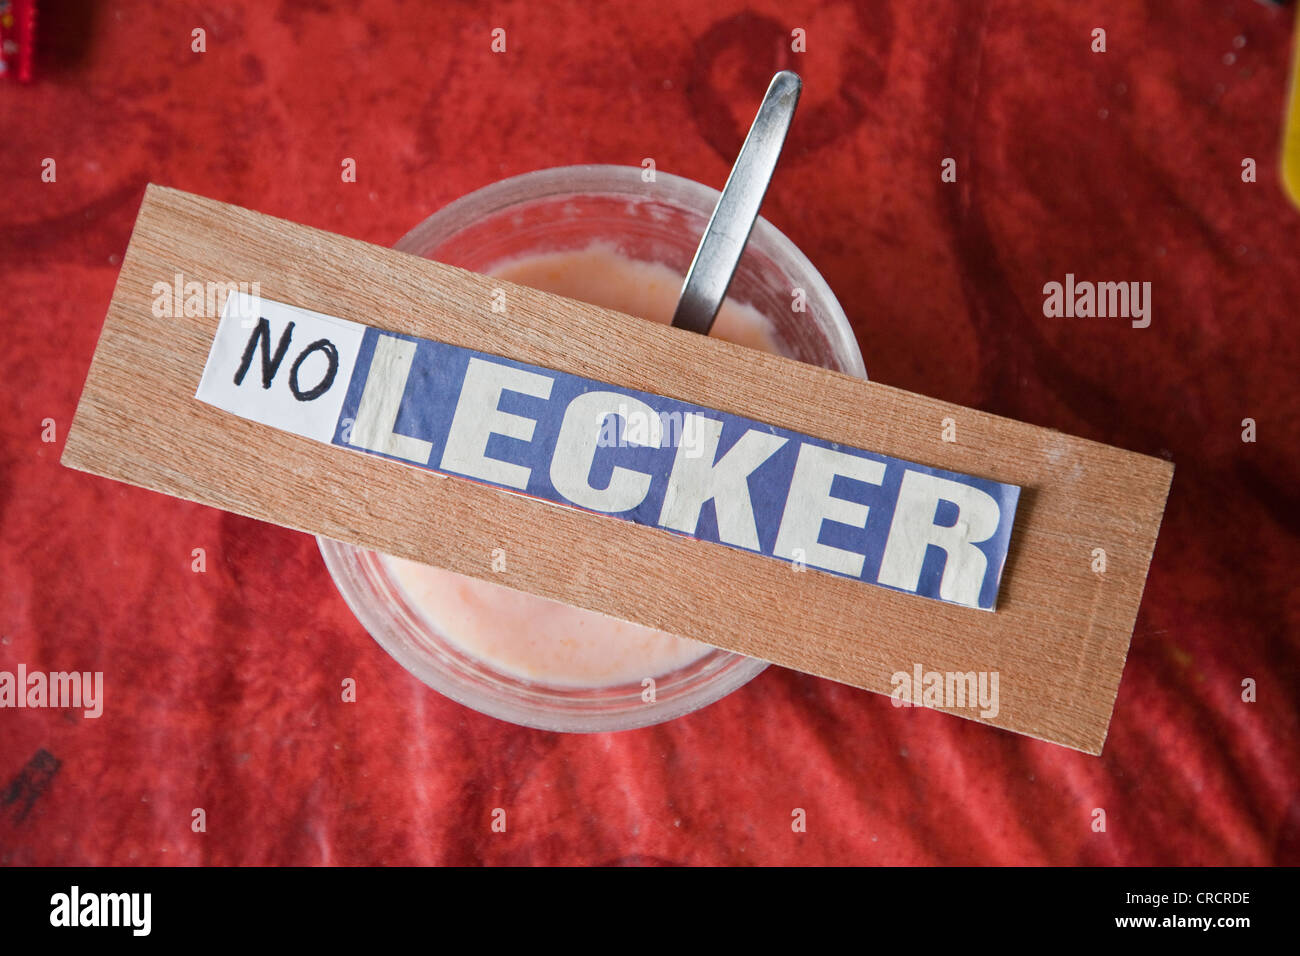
616 451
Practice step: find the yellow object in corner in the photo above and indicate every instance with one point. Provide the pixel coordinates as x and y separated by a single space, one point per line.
1291 135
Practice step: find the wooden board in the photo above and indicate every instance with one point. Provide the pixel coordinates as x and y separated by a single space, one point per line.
1059 636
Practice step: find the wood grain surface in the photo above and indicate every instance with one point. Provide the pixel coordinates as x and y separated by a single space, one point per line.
1058 638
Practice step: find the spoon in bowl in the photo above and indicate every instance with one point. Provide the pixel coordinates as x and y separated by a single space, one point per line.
733 218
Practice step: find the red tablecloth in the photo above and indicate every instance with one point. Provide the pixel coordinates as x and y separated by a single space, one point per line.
222 688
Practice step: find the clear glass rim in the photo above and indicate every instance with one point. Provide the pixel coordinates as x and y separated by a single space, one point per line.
627 180
544 707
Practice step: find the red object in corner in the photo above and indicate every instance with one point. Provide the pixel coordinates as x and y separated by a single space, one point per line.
17 39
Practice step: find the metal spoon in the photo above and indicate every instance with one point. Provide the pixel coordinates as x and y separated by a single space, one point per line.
732 220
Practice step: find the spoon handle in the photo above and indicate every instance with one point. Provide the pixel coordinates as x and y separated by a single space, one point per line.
729 227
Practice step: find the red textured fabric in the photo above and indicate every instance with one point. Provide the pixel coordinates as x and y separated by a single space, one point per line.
223 687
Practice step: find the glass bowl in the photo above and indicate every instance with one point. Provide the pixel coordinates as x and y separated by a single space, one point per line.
661 220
